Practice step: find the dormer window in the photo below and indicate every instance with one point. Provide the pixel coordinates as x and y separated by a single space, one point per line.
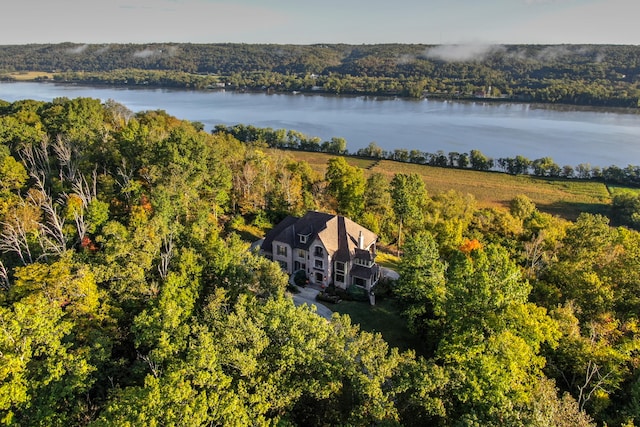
363 262
303 238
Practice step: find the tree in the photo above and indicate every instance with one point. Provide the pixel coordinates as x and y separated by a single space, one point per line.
43 377
377 203
346 183
371 150
545 167
626 209
13 175
421 286
479 161
492 341
64 283
335 146
408 194
448 216
521 207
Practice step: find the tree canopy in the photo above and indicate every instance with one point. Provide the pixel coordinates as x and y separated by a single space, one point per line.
129 293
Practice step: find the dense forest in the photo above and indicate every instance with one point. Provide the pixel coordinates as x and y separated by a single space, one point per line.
597 75
129 295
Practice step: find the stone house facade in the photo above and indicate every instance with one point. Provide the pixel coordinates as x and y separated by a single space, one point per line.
330 249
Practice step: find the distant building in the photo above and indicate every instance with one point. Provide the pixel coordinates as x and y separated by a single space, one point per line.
330 249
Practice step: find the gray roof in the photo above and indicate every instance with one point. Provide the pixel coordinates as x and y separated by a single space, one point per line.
338 234
364 272
275 231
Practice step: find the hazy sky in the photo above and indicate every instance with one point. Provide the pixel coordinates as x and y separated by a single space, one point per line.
320 21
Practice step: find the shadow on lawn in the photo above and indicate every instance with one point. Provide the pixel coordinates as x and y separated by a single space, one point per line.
385 318
571 210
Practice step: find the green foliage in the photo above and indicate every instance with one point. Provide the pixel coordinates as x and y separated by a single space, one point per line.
409 197
127 299
570 74
493 337
41 371
346 183
421 285
13 175
626 209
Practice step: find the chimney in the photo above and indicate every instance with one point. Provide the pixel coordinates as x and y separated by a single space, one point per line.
360 241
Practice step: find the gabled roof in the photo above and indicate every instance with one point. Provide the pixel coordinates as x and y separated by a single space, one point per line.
275 231
338 234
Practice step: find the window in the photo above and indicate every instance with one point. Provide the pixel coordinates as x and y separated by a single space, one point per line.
303 238
340 278
362 262
284 265
318 251
300 253
281 250
319 277
318 263
340 267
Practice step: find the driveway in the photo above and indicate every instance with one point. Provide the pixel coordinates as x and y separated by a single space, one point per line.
308 296
391 274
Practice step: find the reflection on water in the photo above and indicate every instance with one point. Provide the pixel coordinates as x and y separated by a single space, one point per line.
570 135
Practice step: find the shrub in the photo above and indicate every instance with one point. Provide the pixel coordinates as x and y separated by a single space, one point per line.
325 297
384 288
300 278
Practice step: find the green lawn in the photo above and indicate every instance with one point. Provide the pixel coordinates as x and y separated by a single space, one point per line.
385 318
388 260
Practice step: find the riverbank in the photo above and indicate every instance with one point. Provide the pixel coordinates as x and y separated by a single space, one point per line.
208 83
497 130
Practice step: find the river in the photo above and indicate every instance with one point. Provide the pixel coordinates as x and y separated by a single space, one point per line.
570 136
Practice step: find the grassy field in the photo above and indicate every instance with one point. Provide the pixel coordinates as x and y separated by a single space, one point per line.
30 75
615 189
385 318
562 197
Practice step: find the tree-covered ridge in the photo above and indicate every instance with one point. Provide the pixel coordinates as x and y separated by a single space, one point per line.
129 297
599 75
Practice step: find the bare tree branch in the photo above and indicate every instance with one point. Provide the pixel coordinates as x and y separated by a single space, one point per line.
590 386
14 238
4 277
54 238
165 256
64 151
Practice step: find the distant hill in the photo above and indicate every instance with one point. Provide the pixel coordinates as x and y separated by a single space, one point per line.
600 75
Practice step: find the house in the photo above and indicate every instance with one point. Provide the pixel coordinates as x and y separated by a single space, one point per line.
330 249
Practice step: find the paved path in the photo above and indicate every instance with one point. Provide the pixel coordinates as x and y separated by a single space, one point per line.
308 296
387 272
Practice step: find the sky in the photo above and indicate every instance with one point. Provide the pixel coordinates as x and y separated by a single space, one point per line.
453 22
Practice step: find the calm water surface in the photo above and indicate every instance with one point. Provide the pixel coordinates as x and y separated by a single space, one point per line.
601 138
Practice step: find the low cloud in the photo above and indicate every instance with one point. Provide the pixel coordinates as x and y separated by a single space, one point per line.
405 59
146 53
552 53
462 52
78 49
102 50
556 53
164 51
